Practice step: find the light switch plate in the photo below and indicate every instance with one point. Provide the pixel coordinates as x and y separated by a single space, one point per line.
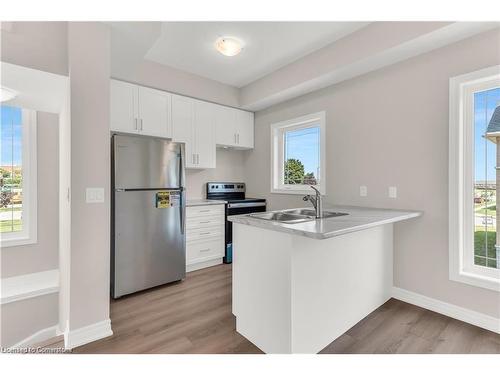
363 191
94 195
393 192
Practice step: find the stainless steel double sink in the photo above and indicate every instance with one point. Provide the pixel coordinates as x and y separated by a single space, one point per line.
294 216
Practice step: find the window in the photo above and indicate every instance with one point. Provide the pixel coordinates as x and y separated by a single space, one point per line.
485 181
474 158
18 176
298 155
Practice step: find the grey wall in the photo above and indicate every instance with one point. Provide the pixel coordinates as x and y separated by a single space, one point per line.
230 167
88 48
42 256
390 128
177 81
21 319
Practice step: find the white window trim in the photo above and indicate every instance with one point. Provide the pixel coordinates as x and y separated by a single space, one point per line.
29 233
461 185
277 156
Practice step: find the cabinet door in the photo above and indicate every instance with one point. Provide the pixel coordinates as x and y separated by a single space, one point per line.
182 126
123 107
154 112
245 129
225 124
204 119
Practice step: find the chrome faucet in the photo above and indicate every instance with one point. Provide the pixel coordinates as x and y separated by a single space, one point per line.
316 202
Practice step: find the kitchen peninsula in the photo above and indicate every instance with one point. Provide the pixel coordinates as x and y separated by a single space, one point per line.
297 287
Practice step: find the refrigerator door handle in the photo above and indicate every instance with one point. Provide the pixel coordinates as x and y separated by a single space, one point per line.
182 208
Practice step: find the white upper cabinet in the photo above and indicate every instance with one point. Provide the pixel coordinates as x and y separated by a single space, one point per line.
245 129
154 112
225 125
234 128
140 110
198 124
182 126
123 107
204 130
193 124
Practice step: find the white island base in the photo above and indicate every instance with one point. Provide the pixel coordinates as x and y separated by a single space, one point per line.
294 294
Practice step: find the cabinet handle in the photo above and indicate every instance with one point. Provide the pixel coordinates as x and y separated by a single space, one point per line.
204 233
197 158
204 211
235 142
204 222
141 124
135 123
203 250
238 136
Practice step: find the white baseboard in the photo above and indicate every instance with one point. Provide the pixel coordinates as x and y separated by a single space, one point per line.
84 335
38 337
205 264
469 316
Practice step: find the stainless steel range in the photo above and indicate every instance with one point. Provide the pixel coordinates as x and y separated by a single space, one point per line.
238 204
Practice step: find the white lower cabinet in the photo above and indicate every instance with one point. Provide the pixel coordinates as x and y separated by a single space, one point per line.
204 236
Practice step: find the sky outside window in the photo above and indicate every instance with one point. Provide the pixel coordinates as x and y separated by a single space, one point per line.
303 145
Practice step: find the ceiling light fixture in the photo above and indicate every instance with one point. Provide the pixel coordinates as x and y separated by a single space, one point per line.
228 46
7 94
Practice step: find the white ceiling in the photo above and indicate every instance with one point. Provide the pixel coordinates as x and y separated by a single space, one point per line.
268 46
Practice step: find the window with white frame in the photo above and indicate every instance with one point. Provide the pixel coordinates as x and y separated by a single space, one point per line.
18 176
474 178
298 155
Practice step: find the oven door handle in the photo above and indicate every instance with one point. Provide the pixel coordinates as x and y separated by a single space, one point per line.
244 205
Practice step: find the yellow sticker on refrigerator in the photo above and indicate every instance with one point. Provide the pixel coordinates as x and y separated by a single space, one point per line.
163 199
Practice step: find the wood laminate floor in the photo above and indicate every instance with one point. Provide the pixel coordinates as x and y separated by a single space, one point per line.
194 316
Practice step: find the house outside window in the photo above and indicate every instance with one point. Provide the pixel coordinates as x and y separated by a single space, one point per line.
18 206
474 178
298 155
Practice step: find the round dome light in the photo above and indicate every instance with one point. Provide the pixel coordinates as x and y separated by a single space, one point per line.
228 46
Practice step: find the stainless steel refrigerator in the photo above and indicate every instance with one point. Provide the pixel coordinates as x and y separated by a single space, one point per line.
148 243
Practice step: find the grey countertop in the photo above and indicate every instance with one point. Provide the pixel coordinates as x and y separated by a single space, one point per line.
203 202
358 218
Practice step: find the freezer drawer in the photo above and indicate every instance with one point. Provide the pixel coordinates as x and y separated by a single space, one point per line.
149 242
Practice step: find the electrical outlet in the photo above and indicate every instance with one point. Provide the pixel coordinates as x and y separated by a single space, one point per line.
94 195
393 192
363 191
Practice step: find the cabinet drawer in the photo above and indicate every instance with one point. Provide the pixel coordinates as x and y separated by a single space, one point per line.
200 251
204 233
196 211
204 222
